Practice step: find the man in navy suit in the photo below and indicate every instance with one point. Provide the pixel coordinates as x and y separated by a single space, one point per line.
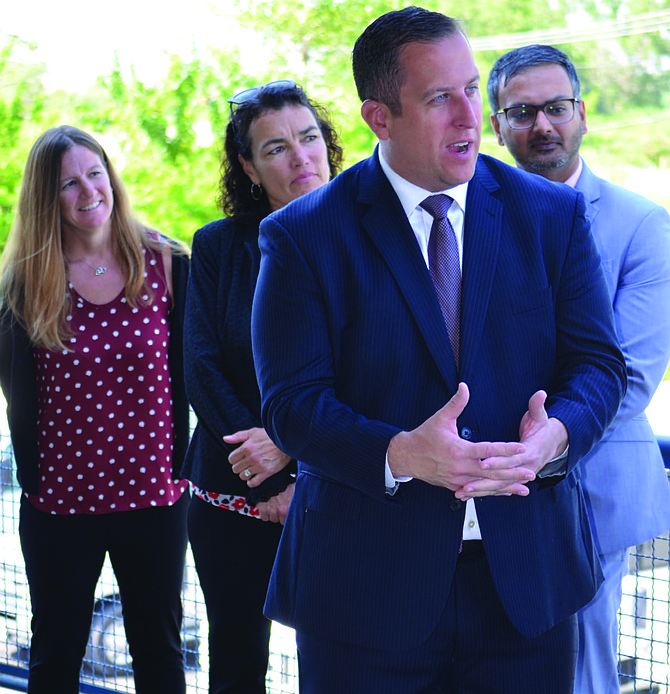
624 481
437 540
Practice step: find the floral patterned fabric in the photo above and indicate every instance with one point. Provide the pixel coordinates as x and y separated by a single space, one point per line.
230 502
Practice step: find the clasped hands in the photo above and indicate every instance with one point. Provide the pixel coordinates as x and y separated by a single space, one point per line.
435 453
256 459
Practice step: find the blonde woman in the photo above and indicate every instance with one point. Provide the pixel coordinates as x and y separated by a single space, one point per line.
91 313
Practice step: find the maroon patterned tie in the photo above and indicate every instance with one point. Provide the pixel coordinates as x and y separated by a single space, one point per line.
445 266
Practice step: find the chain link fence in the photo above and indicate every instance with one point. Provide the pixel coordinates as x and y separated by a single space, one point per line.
644 644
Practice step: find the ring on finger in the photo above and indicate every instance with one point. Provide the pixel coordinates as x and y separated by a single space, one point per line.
247 473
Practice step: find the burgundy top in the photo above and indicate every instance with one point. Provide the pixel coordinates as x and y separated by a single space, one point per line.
105 409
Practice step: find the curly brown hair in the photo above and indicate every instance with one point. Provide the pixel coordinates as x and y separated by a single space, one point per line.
235 187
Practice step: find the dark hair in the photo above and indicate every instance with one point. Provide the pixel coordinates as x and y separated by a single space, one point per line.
378 72
235 187
521 59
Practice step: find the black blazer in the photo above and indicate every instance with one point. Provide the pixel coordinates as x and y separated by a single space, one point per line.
17 378
220 375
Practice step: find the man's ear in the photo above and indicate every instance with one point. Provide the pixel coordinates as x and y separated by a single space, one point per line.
249 169
495 124
581 112
378 117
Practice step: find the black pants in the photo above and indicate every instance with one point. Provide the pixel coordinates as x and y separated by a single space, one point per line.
233 557
64 557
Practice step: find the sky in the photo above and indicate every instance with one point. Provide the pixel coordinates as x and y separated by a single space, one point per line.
77 40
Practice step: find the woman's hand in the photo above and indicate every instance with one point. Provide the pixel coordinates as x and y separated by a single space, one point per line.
276 507
257 458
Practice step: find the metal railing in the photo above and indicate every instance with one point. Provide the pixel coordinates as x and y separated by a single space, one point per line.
644 620
107 664
644 644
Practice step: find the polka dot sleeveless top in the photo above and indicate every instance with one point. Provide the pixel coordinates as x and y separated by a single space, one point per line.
105 409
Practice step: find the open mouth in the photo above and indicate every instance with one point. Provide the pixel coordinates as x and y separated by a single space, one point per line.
90 207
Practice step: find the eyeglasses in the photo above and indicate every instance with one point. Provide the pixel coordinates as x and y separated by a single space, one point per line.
247 94
523 117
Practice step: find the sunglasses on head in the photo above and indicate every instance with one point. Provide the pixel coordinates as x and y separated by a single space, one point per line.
247 94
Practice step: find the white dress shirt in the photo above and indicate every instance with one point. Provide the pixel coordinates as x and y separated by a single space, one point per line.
421 221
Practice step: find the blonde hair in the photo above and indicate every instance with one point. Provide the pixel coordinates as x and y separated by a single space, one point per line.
33 272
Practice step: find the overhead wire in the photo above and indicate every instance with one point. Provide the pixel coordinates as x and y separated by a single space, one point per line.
588 31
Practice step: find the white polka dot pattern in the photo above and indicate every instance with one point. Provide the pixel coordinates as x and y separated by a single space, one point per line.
105 409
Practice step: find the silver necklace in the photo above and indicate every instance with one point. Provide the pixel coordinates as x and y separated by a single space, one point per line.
97 271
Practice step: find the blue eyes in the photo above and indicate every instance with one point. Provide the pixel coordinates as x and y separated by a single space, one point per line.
92 174
441 98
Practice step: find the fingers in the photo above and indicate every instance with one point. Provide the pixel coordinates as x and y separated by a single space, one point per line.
249 474
238 456
254 467
267 512
435 453
536 406
238 436
270 511
488 487
510 478
257 454
244 469
246 474
454 408
240 453
276 508
487 450
243 458
257 478
501 475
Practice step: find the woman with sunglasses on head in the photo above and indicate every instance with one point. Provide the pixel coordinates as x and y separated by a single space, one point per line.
91 314
279 145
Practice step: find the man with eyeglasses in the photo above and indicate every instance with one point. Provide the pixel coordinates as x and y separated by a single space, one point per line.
538 113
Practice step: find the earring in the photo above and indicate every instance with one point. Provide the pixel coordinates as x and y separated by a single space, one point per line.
256 191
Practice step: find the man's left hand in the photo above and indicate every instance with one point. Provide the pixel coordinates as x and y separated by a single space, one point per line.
544 438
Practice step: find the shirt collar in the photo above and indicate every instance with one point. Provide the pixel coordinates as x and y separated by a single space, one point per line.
411 195
572 181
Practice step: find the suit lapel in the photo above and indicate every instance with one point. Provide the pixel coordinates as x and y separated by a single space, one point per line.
589 186
481 241
388 228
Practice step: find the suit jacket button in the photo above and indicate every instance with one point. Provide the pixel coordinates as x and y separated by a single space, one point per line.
466 433
455 504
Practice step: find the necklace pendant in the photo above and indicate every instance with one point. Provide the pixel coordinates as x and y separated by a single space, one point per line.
101 270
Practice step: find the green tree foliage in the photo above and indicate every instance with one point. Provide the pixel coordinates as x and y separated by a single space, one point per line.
312 40
165 138
624 77
626 69
21 103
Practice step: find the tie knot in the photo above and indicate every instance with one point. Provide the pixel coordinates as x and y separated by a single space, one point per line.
437 205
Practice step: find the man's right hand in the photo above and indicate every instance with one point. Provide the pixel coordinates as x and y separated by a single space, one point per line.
435 453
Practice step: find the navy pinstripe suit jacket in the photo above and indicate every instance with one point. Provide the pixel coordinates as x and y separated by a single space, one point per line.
350 348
